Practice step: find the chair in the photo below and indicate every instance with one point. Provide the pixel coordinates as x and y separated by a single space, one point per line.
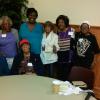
82 74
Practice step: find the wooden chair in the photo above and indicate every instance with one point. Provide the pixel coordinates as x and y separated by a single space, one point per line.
82 74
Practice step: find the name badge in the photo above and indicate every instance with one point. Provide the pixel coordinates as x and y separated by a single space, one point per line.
30 64
4 35
70 33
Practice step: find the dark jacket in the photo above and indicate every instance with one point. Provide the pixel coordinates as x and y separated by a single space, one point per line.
36 61
86 47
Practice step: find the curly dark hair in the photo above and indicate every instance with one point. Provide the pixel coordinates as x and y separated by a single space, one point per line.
64 18
31 10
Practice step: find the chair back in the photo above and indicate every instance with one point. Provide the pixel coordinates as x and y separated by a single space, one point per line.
82 74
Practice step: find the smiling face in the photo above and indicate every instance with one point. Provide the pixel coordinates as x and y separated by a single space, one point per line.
47 29
32 17
61 24
85 28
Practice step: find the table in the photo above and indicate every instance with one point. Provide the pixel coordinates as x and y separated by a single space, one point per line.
31 87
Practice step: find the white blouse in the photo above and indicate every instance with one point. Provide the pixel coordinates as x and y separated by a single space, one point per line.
48 56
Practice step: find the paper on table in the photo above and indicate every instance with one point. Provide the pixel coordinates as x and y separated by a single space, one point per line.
67 88
57 82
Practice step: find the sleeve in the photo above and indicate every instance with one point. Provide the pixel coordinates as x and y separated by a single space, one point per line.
72 49
95 46
72 41
15 32
56 42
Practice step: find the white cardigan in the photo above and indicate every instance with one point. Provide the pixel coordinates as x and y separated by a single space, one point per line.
48 56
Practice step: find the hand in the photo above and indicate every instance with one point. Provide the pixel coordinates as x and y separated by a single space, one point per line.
22 70
43 48
54 49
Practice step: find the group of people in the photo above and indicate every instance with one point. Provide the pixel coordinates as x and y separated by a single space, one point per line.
45 49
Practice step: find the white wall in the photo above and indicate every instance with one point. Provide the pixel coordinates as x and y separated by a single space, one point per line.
76 10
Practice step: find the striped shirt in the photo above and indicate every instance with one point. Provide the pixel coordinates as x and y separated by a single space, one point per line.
64 44
64 40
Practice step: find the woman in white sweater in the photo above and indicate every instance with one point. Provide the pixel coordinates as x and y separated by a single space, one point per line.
49 49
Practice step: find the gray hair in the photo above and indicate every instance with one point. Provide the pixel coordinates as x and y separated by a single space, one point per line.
5 18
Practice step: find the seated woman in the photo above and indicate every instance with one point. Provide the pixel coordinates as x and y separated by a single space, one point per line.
25 62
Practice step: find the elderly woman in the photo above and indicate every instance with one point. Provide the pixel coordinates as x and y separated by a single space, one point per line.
32 31
86 46
26 62
8 40
65 41
49 49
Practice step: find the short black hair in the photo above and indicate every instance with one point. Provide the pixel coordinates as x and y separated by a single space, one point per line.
83 24
64 18
31 10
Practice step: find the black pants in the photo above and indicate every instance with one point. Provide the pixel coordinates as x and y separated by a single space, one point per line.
50 70
63 71
64 65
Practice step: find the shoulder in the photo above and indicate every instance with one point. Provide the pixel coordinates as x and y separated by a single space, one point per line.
23 24
11 34
77 33
14 30
54 34
72 29
91 34
93 37
39 25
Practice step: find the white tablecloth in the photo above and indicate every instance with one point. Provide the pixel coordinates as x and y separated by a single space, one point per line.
31 87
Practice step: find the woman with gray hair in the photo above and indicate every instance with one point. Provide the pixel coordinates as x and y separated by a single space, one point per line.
13 30
8 40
